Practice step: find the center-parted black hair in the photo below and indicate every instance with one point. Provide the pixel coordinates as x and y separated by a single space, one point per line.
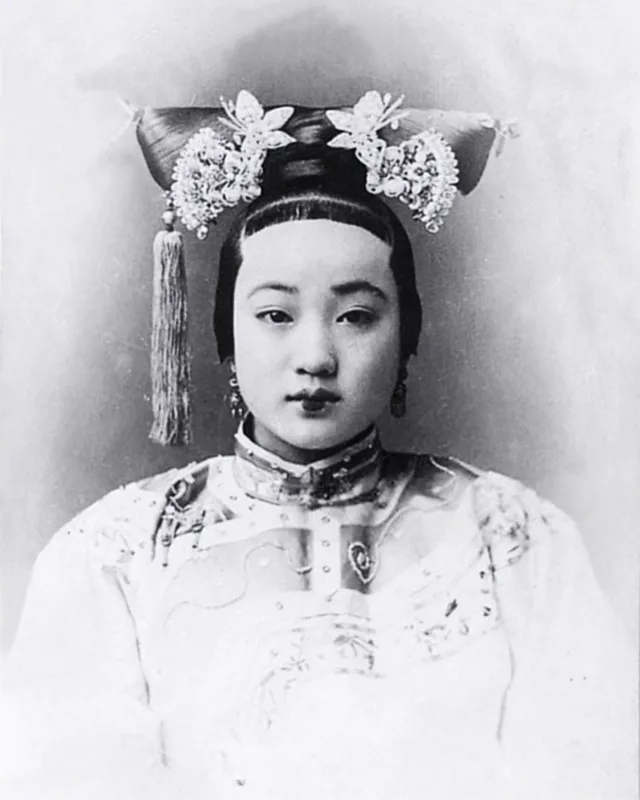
308 180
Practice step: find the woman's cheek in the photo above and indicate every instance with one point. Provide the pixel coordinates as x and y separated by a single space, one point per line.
371 370
380 347
264 355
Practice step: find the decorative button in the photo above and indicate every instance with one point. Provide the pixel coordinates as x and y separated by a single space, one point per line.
279 606
326 568
325 518
284 517
326 543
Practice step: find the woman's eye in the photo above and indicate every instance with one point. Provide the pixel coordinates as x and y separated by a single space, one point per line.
361 317
275 316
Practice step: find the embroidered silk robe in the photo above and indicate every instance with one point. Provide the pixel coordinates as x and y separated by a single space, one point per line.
377 625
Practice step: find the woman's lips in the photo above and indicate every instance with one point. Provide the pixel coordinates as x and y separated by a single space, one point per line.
313 402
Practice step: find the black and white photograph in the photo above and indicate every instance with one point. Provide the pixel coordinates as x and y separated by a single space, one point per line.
319 385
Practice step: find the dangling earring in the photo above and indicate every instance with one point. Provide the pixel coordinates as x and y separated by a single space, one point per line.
399 396
234 398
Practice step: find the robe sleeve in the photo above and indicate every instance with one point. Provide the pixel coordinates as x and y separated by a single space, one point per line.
75 718
570 721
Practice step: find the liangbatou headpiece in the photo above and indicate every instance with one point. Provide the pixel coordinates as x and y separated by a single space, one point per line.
210 159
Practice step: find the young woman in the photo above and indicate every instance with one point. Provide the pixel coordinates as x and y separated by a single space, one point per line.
315 616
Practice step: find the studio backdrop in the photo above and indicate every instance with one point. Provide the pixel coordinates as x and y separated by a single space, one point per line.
529 359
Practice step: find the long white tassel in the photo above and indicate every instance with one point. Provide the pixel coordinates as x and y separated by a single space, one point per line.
170 367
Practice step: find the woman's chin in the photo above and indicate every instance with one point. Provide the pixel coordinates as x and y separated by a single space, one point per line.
307 439
316 435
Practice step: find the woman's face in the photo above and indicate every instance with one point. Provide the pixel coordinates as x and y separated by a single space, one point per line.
317 334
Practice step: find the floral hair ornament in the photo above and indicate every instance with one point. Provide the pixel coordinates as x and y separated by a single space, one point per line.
213 173
421 157
209 159
421 171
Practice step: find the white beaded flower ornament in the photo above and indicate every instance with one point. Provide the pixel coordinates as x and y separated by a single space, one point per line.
213 172
421 172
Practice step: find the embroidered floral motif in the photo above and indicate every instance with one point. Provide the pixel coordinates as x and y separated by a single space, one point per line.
213 173
325 645
468 610
341 643
503 509
356 647
421 171
117 526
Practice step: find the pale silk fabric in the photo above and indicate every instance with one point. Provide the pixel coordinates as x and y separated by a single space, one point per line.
413 630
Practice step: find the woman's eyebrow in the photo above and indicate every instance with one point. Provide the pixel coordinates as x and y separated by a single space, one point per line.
275 287
352 287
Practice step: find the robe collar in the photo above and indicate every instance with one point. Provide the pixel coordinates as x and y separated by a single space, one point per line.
348 476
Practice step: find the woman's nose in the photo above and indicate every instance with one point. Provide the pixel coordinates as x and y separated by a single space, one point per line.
315 352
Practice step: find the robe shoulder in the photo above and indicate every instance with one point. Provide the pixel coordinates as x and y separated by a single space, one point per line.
127 519
512 517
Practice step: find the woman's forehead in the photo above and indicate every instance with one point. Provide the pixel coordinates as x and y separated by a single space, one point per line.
313 252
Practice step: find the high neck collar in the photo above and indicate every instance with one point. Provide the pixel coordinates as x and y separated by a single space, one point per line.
347 476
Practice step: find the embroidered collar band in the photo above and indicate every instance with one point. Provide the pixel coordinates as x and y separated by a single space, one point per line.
349 476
